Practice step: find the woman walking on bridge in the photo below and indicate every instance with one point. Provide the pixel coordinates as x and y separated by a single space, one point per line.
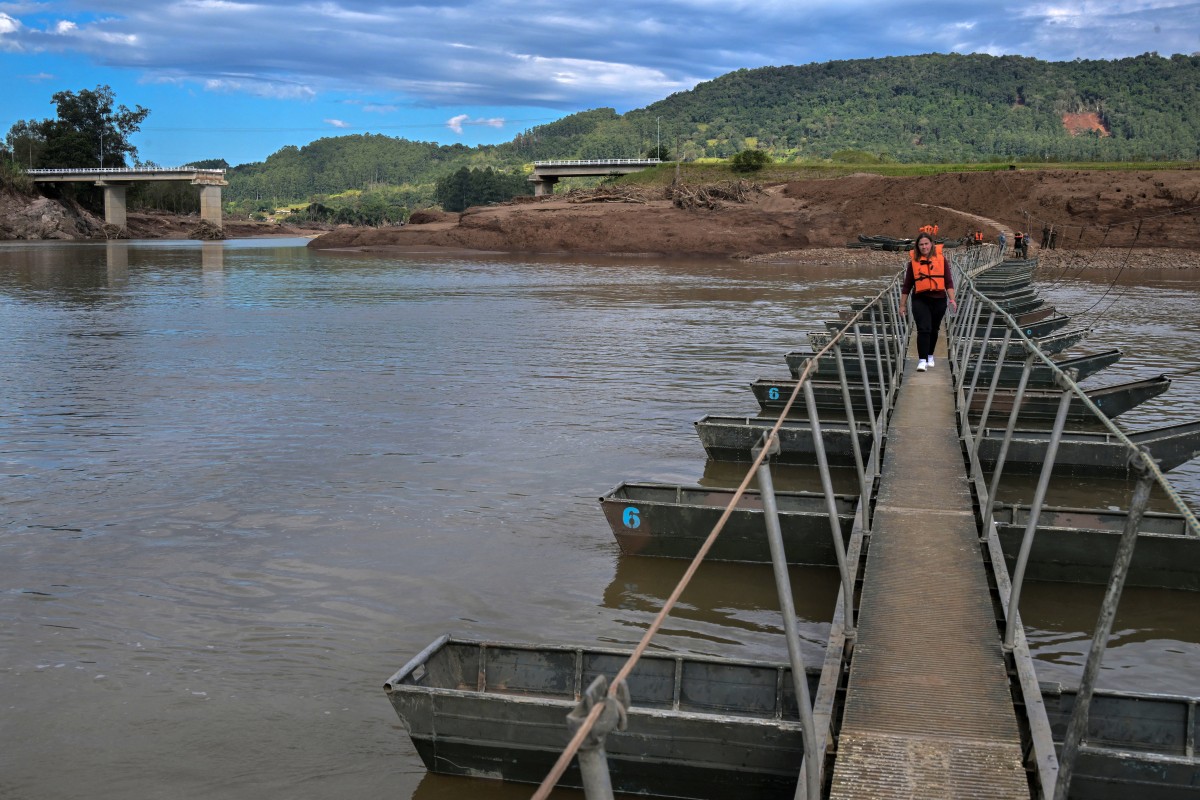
930 283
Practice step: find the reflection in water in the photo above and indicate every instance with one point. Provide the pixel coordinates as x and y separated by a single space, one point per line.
786 477
212 255
1155 640
116 256
725 603
245 482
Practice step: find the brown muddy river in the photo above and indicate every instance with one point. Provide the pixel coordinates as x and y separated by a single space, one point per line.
244 482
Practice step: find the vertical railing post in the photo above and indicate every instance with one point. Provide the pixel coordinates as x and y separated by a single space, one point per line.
987 335
968 336
886 381
998 469
987 403
831 506
1067 381
1077 728
885 342
870 402
863 490
810 767
898 336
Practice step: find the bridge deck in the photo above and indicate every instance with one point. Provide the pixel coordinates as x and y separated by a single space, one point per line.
928 712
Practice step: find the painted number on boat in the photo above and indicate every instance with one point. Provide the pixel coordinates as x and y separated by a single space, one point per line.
773 393
631 517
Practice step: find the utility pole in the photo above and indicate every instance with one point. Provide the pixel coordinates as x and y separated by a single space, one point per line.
658 137
678 159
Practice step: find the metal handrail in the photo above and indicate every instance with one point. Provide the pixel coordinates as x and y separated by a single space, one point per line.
1141 463
124 170
885 299
587 162
1071 386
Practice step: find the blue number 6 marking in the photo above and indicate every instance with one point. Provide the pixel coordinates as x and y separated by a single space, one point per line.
631 518
773 393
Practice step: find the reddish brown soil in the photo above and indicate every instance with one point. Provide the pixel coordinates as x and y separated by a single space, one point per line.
1084 122
1088 208
164 225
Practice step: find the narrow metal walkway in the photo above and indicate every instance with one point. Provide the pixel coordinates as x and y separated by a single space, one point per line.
928 712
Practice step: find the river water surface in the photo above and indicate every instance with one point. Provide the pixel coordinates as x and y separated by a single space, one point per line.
244 482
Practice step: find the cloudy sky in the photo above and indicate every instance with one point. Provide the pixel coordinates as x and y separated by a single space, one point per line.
238 79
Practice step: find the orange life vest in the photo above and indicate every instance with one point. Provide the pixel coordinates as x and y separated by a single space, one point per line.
929 275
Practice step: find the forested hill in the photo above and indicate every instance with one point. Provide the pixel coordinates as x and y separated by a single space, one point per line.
928 108
934 108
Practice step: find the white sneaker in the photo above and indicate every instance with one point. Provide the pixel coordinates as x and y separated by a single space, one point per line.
929 362
921 365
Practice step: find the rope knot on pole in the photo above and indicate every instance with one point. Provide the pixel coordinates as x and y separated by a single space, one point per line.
613 717
770 441
1141 462
1066 380
603 711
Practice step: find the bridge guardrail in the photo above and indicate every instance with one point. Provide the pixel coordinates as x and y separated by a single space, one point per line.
590 162
124 170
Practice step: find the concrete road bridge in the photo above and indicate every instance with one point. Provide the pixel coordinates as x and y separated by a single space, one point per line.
116 180
547 173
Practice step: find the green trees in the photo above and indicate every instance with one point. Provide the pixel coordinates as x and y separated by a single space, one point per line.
749 161
87 132
476 187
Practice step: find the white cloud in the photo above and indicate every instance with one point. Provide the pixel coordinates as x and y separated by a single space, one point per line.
456 123
279 90
8 24
337 123
564 54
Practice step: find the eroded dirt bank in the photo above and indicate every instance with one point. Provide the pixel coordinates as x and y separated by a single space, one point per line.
1089 209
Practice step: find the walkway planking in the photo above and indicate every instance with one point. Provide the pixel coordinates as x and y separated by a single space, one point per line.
928 712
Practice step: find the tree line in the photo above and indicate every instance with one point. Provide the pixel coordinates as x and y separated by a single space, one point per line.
920 109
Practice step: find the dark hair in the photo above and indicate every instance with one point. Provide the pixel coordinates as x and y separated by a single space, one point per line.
917 244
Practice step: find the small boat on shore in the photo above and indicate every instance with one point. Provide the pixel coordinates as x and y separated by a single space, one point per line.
672 521
702 728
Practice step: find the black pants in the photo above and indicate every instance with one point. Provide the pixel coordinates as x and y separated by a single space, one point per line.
927 312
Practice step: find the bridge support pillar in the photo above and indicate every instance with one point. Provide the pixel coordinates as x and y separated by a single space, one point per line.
210 205
543 186
114 203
